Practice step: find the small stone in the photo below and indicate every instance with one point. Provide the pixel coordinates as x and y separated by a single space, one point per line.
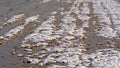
28 62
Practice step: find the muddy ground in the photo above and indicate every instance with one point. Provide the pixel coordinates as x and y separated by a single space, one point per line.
71 29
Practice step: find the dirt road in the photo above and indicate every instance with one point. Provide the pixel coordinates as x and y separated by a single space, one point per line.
60 34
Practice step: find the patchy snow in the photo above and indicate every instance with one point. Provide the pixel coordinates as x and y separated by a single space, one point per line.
64 38
104 58
31 19
107 32
14 19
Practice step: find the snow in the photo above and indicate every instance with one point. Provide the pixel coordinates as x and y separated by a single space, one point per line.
14 19
107 32
104 58
31 19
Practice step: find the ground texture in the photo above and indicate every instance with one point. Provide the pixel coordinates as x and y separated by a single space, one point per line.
60 34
